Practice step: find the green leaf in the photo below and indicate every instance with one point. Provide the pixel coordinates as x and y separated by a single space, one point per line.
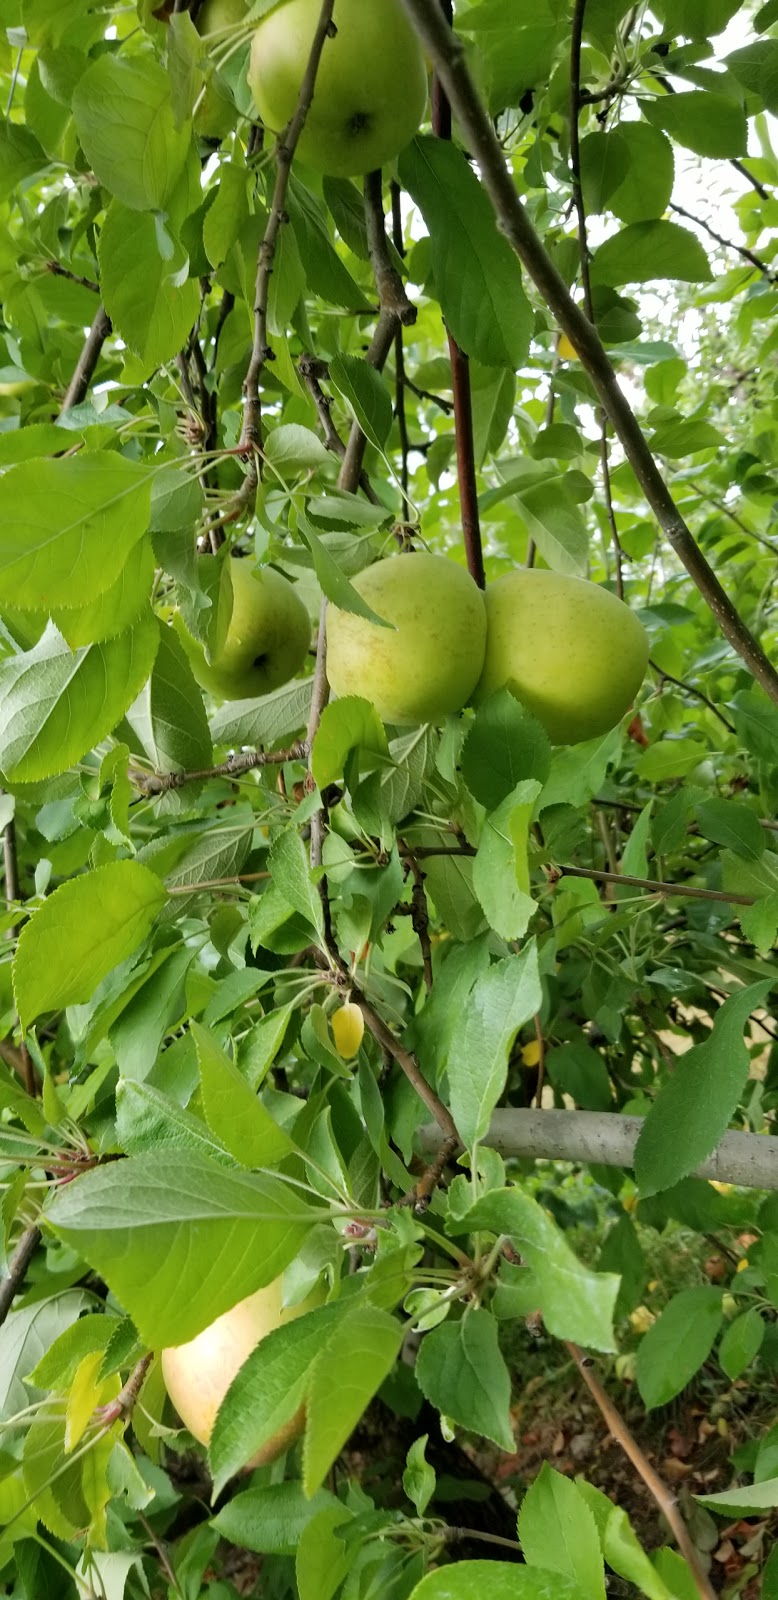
20 157
500 1580
504 746
576 1303
685 437
693 1108
232 1109
556 525
645 251
58 1367
770 1575
57 703
323 1559
742 1341
292 876
477 277
622 1253
645 191
419 1477
149 306
620 1545
710 124
292 449
461 1371
117 609
268 1389
734 825
751 1500
343 1379
127 127
148 1120
605 162
169 716
678 1344
579 1071
326 275
267 721
501 869
273 1518
557 1531
634 861
756 67
346 725
364 390
25 1337
69 526
501 1001
144 1224
333 581
81 932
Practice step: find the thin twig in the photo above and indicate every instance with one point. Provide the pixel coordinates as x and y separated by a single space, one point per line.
448 56
686 891
17 1269
58 271
460 375
420 915
87 361
391 290
121 1409
155 783
408 1064
728 244
665 1499
319 700
420 1195
399 362
698 694
251 431
11 870
541 1063
312 371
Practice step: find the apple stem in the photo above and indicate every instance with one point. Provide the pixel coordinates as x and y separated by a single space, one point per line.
447 53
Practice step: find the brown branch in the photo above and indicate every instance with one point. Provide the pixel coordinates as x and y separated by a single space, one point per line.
218 883
13 1058
665 1499
541 1062
121 1409
400 381
409 1065
87 361
763 193
728 244
460 370
251 431
58 271
376 355
686 891
698 694
420 1195
11 870
312 371
391 290
447 54
156 783
17 1269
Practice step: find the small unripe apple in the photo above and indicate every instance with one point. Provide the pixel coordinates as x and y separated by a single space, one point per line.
266 641
371 85
428 664
571 652
198 1374
348 1027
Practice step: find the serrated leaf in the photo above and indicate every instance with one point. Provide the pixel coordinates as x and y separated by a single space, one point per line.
57 703
477 277
81 932
169 715
343 1379
147 304
501 1001
144 1224
751 1500
345 725
124 115
500 1580
272 1519
504 746
267 721
293 449
677 1344
291 871
693 1108
461 1371
148 1120
334 583
710 124
576 1303
742 1341
500 869
645 251
69 526
232 1109
558 1531
364 390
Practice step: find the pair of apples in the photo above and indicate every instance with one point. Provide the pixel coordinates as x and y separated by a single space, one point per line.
371 85
570 651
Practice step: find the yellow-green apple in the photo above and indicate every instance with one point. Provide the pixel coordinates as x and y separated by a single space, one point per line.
217 16
428 663
198 1374
371 85
570 651
265 642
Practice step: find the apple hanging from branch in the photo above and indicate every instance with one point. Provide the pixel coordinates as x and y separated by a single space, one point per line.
371 86
265 641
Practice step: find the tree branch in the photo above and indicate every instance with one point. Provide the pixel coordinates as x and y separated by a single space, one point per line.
728 244
17 1270
608 1139
312 371
11 870
460 371
448 57
400 380
155 783
409 1065
87 361
250 438
665 1499
698 694
391 290
686 891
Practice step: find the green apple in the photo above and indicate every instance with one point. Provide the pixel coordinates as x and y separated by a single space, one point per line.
198 1374
266 640
217 16
428 663
571 652
371 86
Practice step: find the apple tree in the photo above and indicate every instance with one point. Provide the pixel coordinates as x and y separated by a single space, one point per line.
363 1024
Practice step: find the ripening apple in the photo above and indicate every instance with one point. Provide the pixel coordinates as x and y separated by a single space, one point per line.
265 643
217 16
348 1027
371 85
198 1374
571 652
428 663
